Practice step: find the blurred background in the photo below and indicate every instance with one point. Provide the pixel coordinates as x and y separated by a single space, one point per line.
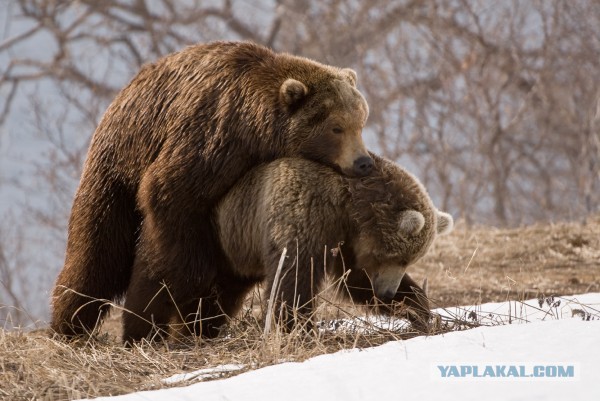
495 106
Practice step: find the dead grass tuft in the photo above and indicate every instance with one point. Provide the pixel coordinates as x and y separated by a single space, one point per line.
36 365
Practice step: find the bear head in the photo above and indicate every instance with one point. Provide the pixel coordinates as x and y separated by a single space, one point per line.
397 224
326 114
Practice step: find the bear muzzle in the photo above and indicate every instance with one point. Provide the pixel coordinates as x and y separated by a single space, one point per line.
363 166
387 281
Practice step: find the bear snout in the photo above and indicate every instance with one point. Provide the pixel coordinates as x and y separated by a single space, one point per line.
363 166
386 282
387 297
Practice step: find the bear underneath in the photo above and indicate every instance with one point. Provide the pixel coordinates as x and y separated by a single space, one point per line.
377 226
169 147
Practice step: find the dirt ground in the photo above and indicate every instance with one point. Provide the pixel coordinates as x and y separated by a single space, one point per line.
483 264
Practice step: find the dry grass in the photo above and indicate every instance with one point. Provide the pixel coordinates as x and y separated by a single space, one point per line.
34 365
468 267
484 264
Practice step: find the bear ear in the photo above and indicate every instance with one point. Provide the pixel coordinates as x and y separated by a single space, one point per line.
411 222
350 75
445 223
292 91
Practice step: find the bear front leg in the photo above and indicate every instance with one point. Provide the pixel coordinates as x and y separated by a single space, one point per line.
410 300
415 298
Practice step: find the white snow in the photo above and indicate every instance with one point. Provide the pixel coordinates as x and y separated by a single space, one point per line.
556 335
209 373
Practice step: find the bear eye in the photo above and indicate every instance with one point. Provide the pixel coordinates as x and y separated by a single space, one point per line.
337 130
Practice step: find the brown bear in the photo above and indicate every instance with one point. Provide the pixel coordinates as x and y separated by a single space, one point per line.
376 225
169 147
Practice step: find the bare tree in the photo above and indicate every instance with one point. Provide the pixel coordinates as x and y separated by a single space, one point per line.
11 283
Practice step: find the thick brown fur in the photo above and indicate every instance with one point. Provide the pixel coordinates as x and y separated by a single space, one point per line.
377 226
171 144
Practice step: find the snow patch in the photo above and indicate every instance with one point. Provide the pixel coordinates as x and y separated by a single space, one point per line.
556 334
202 374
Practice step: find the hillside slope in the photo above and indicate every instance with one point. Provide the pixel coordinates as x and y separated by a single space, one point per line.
484 264
470 266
